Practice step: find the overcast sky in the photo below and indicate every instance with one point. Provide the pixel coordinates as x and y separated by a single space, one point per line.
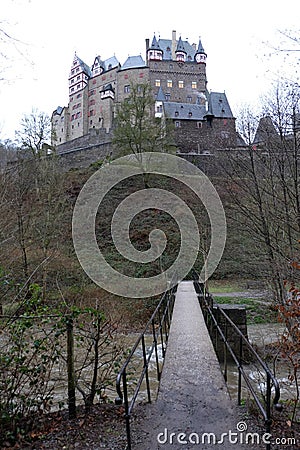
46 34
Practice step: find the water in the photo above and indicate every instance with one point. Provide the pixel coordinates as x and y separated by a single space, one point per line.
260 336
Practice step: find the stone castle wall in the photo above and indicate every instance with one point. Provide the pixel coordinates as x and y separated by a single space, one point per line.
85 150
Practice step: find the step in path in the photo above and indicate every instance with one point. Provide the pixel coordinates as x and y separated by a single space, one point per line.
193 400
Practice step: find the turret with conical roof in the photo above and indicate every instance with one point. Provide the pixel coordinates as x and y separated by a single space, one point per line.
200 55
155 53
180 51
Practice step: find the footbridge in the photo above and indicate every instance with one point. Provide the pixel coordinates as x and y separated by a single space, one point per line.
193 407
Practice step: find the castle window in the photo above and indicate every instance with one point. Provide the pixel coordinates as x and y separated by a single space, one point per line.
92 92
157 83
127 89
224 134
159 109
199 124
78 95
177 123
176 113
168 49
169 83
189 99
190 114
168 96
92 102
180 84
78 77
194 84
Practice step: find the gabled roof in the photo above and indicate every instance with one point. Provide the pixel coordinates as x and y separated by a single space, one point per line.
99 61
133 62
184 111
219 106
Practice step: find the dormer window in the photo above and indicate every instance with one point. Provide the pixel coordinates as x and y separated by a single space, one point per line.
176 113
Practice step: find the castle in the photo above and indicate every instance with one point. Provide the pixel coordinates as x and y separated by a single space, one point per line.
176 71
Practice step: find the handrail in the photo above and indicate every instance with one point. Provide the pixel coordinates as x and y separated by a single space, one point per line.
208 306
158 327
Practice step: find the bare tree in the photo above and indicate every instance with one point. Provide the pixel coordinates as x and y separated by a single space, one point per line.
264 184
34 134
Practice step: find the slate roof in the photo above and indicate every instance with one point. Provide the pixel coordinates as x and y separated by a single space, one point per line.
107 87
166 46
86 69
59 110
160 95
200 47
219 106
265 130
180 46
155 44
133 62
111 63
184 111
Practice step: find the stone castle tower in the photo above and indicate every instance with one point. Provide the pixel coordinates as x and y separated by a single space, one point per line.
176 71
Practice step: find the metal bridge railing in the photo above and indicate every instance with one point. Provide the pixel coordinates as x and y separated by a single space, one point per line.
264 404
154 336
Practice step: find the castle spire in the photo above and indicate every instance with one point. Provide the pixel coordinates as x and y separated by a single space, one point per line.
154 52
200 55
180 51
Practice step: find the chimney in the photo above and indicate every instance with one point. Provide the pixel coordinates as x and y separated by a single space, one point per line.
147 47
174 45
